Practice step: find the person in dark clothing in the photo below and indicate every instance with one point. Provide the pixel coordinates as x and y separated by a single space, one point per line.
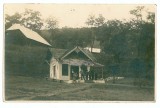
82 75
89 74
92 74
86 75
96 75
75 75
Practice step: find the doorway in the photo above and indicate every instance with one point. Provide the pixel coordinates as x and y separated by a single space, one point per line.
74 69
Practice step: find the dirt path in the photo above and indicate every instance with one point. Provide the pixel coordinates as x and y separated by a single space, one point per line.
57 92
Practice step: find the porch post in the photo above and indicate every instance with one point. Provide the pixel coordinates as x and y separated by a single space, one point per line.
88 70
102 72
79 72
69 73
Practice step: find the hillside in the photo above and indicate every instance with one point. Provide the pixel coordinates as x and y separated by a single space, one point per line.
26 60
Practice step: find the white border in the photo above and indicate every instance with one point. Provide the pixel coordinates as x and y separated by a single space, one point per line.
83 105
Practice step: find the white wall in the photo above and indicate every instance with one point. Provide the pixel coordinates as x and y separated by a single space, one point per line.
59 71
54 62
95 50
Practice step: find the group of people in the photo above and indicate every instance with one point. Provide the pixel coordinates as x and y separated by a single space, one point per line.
85 75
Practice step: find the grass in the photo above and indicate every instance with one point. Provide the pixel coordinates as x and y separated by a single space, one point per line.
22 63
36 88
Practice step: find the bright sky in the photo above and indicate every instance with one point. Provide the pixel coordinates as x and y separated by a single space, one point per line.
75 15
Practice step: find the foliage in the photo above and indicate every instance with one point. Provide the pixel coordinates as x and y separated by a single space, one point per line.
126 42
151 17
95 22
12 19
137 12
32 19
51 22
68 37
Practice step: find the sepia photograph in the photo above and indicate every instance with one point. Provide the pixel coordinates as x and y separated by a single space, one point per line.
79 52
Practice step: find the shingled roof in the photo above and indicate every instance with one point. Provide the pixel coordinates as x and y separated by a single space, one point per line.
57 53
62 53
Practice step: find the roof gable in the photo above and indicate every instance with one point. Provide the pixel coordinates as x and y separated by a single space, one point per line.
77 49
63 53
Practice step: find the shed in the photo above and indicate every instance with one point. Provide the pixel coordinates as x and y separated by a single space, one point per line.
19 34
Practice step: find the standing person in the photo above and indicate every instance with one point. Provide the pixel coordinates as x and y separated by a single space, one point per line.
87 74
91 74
72 72
75 77
96 75
82 75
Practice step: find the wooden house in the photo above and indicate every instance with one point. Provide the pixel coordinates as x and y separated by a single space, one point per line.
63 62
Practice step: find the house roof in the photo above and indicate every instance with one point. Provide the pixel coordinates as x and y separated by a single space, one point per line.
86 52
29 33
89 54
78 62
62 53
57 53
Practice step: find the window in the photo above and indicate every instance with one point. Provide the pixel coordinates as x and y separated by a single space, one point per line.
54 70
65 69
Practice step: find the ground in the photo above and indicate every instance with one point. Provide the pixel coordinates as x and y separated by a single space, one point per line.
36 88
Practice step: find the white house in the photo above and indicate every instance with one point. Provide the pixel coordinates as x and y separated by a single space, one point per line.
96 47
63 62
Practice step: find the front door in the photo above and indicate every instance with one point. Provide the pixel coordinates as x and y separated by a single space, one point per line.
74 69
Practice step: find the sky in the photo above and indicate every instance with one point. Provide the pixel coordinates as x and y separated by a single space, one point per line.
75 15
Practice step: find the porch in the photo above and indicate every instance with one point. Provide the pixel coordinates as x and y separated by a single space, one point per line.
75 66
83 81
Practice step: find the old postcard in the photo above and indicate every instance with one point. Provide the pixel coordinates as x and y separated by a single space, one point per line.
79 52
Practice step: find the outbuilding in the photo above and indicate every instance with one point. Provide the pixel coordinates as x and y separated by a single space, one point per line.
19 35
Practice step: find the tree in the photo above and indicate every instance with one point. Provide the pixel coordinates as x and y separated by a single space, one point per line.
143 32
114 44
12 19
32 19
51 22
110 29
99 21
137 12
51 25
91 20
151 17
94 22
